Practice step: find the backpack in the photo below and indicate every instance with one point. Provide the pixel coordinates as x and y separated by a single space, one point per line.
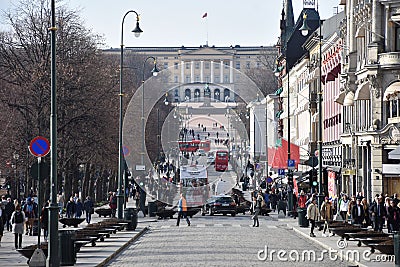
18 217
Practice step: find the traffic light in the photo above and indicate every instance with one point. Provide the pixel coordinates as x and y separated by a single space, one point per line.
290 179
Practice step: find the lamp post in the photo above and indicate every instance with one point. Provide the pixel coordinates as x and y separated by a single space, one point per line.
16 184
120 196
304 31
53 259
155 73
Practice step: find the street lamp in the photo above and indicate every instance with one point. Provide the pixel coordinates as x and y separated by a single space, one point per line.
155 72
16 191
305 29
120 196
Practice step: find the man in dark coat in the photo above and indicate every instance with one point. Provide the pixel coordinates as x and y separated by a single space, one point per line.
357 212
378 213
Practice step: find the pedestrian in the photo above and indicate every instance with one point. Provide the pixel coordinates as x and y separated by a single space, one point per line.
2 212
393 217
302 200
78 208
367 220
312 215
257 203
326 215
70 208
44 219
113 204
30 213
88 207
357 212
60 201
378 213
182 210
8 210
343 207
17 220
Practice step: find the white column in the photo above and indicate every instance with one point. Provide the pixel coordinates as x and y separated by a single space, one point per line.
202 71
192 71
212 71
231 71
183 71
222 72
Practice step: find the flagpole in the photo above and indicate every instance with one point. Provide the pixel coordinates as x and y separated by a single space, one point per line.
207 30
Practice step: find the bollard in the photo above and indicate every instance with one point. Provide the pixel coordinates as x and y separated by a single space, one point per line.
396 244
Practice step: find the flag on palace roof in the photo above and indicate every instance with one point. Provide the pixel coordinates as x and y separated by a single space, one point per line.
204 15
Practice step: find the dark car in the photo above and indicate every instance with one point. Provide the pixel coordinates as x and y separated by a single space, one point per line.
222 204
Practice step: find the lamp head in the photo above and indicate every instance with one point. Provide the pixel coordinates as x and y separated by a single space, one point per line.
137 31
155 70
305 28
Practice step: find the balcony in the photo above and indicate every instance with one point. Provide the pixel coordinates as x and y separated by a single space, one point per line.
389 60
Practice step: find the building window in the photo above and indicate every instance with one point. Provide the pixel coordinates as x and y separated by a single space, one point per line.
394 108
226 63
226 79
176 65
248 65
197 65
216 66
187 64
217 79
238 65
187 94
197 78
207 65
217 94
165 57
197 95
187 79
176 79
227 95
165 65
208 79
397 39
258 65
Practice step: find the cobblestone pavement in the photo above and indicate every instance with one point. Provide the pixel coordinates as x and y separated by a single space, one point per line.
218 241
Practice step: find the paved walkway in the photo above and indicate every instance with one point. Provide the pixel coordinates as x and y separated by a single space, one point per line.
87 256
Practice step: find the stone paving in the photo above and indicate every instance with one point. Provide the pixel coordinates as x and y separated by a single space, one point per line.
217 241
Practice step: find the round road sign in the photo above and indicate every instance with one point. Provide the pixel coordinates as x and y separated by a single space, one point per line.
39 146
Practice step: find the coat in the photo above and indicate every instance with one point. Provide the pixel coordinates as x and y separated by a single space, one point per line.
326 211
17 228
354 213
312 212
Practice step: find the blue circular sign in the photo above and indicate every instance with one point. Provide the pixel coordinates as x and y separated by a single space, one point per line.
39 146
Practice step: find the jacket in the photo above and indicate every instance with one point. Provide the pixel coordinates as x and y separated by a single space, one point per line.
312 212
326 211
182 206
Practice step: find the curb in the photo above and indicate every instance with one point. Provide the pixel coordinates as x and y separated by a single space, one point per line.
133 239
359 264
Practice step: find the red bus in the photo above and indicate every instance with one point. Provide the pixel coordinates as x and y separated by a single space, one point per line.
194 145
221 160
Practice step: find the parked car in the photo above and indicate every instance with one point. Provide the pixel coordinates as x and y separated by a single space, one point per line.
222 204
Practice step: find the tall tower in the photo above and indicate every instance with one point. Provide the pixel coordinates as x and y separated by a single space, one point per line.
287 24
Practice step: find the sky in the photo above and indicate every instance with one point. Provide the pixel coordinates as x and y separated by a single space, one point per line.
180 22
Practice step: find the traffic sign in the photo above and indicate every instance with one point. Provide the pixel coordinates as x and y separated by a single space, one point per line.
291 164
44 170
39 146
126 151
281 172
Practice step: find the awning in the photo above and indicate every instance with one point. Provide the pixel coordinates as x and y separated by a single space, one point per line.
362 92
277 156
394 154
393 91
340 98
349 99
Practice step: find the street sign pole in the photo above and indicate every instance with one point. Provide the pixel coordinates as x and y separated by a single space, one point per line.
39 159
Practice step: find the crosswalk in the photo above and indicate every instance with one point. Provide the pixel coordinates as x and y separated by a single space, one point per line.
183 224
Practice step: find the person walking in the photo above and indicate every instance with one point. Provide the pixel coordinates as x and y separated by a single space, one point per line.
2 215
113 204
78 208
312 215
343 207
357 212
326 215
257 202
8 210
378 213
31 213
17 220
44 219
70 208
182 210
88 207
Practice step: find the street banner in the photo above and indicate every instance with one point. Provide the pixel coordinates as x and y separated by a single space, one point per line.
332 185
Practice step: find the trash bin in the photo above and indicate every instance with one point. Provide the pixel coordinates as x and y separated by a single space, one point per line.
130 215
152 207
302 212
66 242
